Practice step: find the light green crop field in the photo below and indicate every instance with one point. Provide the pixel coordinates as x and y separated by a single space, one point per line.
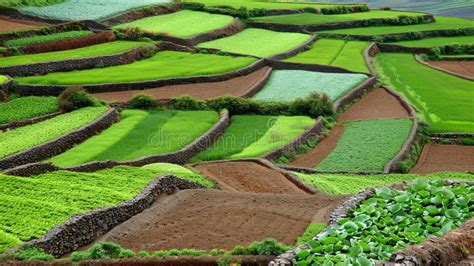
3 79
311 18
141 133
258 42
253 136
441 23
340 53
31 206
287 85
22 3
367 145
439 41
250 4
26 137
444 101
109 48
185 23
166 64
46 38
27 107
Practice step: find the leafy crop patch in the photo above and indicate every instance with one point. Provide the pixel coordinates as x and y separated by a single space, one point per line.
27 107
46 38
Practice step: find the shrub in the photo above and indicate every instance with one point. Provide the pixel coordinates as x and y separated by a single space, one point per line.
103 250
187 103
74 98
32 253
142 101
148 50
131 33
193 6
267 247
386 8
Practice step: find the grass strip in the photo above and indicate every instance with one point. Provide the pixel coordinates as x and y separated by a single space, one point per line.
439 41
46 38
27 107
252 4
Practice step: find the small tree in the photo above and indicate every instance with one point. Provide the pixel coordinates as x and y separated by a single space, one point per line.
74 98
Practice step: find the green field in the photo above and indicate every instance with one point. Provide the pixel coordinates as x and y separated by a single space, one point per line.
141 133
109 48
21 3
439 41
166 64
185 23
287 85
251 4
46 38
27 107
441 23
444 101
3 79
367 145
311 18
31 206
340 53
258 42
254 136
22 138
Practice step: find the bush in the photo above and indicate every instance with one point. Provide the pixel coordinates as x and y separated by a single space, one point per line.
147 50
386 8
266 247
130 33
193 6
142 101
187 103
74 98
32 253
103 250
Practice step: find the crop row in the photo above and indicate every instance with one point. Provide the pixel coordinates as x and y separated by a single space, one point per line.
46 38
27 107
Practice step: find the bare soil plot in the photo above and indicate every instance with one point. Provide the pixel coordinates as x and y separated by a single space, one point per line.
463 68
237 87
9 24
440 158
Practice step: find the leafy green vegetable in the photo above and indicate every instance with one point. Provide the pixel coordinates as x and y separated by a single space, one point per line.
27 107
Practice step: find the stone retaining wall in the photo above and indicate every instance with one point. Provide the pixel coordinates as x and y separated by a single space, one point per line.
140 13
60 144
396 48
308 67
371 51
421 61
392 165
296 50
355 93
306 170
83 229
21 123
255 88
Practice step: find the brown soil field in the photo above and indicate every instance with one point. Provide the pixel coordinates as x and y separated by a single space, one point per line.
237 87
463 68
439 158
9 24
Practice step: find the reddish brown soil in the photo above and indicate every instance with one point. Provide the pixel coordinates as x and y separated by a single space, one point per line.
236 87
439 158
8 24
206 219
463 68
321 151
375 105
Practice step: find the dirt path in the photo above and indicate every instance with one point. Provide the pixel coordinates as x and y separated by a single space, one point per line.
439 158
8 24
206 219
463 68
236 87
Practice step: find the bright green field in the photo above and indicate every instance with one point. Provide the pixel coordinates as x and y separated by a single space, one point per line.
3 79
27 107
29 136
141 133
258 42
84 52
250 4
441 23
21 3
254 136
367 145
343 184
439 41
46 38
340 53
311 18
185 23
30 206
444 101
166 64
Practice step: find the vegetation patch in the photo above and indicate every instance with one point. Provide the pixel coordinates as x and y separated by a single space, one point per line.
46 38
141 133
340 53
3 79
287 85
258 42
185 23
27 107
256 4
367 145
166 64
23 3
254 136
310 232
439 41
444 101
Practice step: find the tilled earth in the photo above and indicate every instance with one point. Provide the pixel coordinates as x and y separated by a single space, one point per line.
439 157
13 24
463 68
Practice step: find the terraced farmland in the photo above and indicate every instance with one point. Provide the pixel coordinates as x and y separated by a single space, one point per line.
251 4
27 107
439 41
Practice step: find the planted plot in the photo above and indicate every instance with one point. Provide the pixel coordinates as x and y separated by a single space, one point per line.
27 107
254 136
166 64
46 38
31 206
87 9
439 41
3 79
340 53
253 4
367 145
103 49
185 23
287 85
442 100
26 137
20 3
258 42
141 133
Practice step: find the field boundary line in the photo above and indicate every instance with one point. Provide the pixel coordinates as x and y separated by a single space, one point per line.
421 61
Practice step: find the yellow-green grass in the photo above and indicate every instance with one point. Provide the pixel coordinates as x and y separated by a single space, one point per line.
439 41
340 53
185 23
3 79
258 42
166 64
253 136
444 101
141 133
27 107
109 48
251 4
46 38
312 19
441 23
